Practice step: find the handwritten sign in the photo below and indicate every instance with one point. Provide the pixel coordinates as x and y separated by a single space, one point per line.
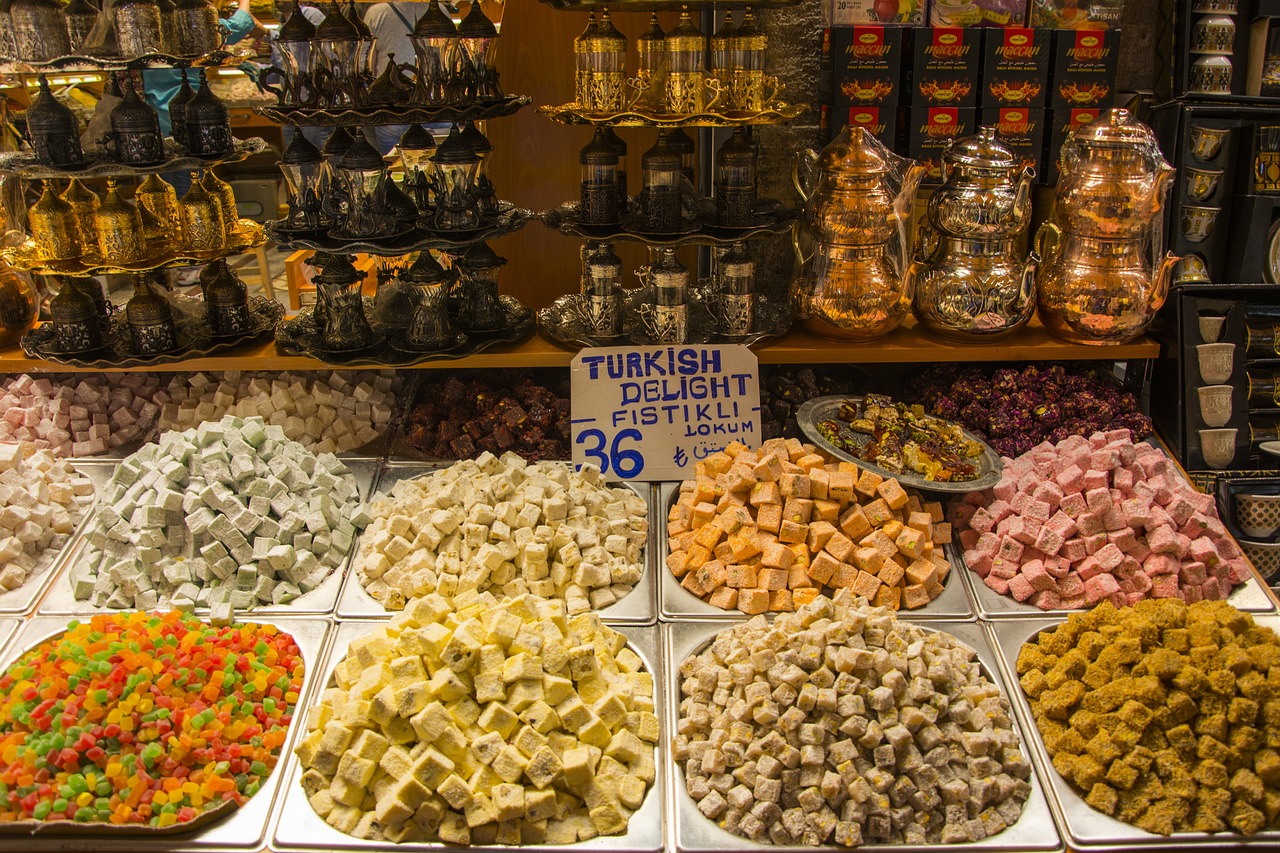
651 413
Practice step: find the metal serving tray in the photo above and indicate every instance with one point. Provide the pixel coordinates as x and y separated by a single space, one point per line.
23 599
300 828
1086 828
676 602
8 627
691 832
1251 596
60 601
640 607
242 830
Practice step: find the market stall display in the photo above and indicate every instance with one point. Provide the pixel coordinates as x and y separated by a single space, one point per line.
344 200
771 530
674 89
1015 408
73 416
334 412
1083 521
488 722
230 515
505 526
1157 714
494 411
42 501
894 439
840 723
136 720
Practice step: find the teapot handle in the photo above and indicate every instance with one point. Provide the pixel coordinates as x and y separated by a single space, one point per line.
795 244
802 172
927 243
1048 238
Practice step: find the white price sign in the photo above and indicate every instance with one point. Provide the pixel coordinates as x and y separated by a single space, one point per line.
651 413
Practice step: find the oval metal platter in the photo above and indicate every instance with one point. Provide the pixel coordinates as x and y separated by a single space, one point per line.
821 409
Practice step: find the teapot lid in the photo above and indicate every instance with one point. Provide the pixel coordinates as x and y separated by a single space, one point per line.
855 151
480 256
434 23
984 150
478 141
425 270
48 115
134 115
361 157
476 25
653 38
417 138
300 152
296 27
1115 128
357 23
337 27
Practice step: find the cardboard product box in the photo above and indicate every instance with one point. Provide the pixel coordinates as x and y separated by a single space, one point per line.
866 66
1084 69
930 130
846 13
881 121
1015 67
977 13
1021 129
1073 15
1060 124
944 67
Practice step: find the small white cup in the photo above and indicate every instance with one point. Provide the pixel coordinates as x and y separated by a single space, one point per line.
1218 447
1217 361
1215 404
1211 328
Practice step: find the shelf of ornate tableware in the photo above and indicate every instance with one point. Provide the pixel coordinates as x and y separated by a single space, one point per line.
777 112
249 236
907 344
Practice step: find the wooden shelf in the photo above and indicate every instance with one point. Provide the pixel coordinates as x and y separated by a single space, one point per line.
908 344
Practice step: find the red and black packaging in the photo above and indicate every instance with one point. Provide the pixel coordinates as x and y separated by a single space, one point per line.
866 66
1061 124
944 67
1084 69
931 129
1020 129
1015 67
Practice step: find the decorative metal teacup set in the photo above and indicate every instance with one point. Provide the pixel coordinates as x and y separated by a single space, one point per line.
201 129
45 30
332 66
671 79
1098 275
347 192
438 307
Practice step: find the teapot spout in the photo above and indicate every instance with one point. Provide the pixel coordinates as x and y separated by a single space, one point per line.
1160 281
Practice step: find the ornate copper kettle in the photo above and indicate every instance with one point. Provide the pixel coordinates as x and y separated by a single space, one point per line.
968 283
1105 274
858 197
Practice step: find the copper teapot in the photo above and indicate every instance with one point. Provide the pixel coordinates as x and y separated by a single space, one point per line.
967 280
858 197
1105 274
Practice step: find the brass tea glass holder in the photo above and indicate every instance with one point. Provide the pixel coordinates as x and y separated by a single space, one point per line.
26 256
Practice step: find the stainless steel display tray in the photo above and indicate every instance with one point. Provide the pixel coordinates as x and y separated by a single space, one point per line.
1084 827
244 829
1251 595
676 602
639 607
8 627
298 827
60 601
690 832
23 599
